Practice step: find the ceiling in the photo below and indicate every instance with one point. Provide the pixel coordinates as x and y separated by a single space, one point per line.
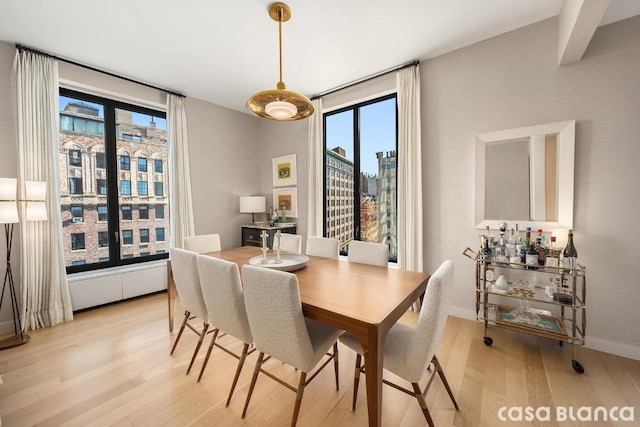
223 52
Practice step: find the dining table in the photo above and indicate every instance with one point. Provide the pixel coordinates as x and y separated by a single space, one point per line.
362 299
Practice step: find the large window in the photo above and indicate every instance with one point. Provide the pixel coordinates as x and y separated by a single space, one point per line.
103 208
360 174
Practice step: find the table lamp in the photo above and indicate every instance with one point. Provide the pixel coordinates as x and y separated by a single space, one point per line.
253 205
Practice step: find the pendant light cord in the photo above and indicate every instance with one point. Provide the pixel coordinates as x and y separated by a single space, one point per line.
280 18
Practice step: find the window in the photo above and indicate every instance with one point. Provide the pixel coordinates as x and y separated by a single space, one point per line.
159 234
127 237
143 188
103 239
126 212
101 160
360 173
157 165
77 213
125 162
75 185
143 211
158 189
142 164
79 262
74 158
159 211
144 235
77 241
125 187
101 187
102 212
95 125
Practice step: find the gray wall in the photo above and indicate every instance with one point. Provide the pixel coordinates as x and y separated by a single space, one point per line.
512 81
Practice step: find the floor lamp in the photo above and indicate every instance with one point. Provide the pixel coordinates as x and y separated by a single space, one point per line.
35 210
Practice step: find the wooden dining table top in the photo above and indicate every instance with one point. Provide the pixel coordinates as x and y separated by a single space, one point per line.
358 292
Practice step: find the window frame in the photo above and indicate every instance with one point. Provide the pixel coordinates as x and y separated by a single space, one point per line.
326 179
115 158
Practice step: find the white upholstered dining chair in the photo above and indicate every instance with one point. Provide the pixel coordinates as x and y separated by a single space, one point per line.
323 247
184 266
202 243
224 298
408 351
369 253
290 243
280 330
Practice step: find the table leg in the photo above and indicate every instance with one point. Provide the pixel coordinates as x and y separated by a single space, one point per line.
171 295
373 358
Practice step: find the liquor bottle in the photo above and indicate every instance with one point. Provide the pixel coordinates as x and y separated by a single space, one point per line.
553 254
531 258
527 237
485 253
570 255
501 249
542 250
511 244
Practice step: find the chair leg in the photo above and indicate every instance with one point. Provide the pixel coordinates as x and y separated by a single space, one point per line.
438 367
296 408
356 381
195 353
335 364
184 323
254 378
423 404
206 358
243 356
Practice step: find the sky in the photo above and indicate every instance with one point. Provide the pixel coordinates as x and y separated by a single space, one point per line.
377 132
137 118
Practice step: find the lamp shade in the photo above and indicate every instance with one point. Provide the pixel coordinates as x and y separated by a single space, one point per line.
8 189
36 211
35 190
8 212
253 204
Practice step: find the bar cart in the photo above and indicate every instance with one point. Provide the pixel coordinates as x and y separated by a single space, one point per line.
565 294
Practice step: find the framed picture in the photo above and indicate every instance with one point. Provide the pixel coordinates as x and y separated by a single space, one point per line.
286 198
285 171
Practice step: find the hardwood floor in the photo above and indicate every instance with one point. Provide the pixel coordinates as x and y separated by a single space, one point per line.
111 367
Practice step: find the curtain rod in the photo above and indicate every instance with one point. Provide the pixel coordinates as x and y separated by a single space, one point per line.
366 79
88 67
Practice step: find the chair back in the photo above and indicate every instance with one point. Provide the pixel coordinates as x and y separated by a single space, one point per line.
290 243
323 247
433 317
369 253
224 297
202 243
184 265
272 299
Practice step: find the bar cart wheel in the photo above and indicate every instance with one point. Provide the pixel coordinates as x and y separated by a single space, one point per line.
577 366
488 341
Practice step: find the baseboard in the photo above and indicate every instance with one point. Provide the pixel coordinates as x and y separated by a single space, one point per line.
595 343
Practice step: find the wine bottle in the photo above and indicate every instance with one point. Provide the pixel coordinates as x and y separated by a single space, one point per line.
570 255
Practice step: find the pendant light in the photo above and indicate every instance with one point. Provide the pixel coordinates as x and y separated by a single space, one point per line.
280 103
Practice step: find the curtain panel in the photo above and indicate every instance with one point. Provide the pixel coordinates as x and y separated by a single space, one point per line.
44 290
315 226
410 241
181 211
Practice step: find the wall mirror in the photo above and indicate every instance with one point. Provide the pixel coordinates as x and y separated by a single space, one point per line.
525 176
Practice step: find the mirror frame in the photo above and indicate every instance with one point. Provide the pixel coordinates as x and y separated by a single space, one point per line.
566 152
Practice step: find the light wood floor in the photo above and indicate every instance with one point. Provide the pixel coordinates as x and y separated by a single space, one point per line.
111 367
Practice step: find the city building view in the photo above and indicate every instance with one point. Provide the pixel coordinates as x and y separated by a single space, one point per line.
142 178
378 216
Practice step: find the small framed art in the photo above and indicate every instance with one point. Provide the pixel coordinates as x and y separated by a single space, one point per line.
286 198
285 171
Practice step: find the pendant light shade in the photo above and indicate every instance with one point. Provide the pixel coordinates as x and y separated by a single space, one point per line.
280 103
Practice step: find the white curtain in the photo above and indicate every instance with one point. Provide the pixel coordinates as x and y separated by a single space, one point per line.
316 171
45 292
410 249
181 211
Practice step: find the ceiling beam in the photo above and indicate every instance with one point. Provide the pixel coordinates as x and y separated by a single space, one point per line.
579 20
